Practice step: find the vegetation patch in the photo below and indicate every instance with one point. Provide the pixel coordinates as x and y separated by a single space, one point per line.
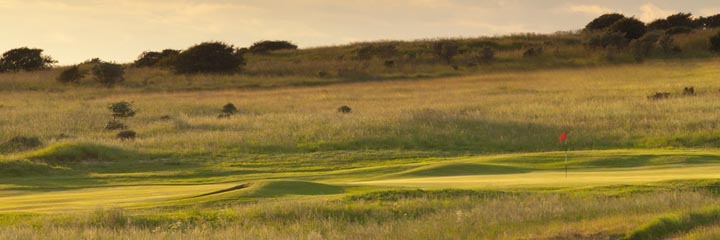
665 227
81 152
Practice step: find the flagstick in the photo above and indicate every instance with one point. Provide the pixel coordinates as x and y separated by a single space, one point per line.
566 158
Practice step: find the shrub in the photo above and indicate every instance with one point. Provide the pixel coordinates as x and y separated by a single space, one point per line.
108 74
445 50
381 50
604 21
209 57
667 44
630 27
228 110
20 143
122 110
344 109
269 46
678 30
642 47
660 24
533 52
608 39
711 21
157 59
487 55
715 42
115 125
127 135
27 59
680 20
71 75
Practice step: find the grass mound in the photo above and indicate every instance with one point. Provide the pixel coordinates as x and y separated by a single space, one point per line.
20 143
461 169
667 226
81 152
396 195
19 168
284 188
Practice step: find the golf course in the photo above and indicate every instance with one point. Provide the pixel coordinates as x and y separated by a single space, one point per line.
475 156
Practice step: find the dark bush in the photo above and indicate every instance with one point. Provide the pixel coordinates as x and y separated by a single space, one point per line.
121 110
689 91
533 52
715 42
630 27
487 55
711 21
659 96
604 21
115 125
209 57
660 24
445 50
680 20
269 46
378 50
642 47
678 30
157 59
108 74
228 110
344 109
127 135
667 44
20 143
608 39
26 59
71 75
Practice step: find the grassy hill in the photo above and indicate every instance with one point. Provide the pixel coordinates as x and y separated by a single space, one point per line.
470 156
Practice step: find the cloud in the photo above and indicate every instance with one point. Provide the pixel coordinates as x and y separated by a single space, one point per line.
650 12
594 10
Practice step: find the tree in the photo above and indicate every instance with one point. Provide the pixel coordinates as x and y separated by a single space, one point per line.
712 21
70 75
660 24
604 21
27 59
209 57
680 20
269 46
630 27
156 59
108 74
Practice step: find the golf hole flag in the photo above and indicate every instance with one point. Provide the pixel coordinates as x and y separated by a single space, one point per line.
563 137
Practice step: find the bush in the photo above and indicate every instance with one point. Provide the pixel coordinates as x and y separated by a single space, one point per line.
446 50
209 57
344 109
108 74
643 46
228 110
269 46
678 30
630 27
26 59
71 75
660 24
115 125
604 21
680 20
157 59
715 42
382 50
608 39
127 135
667 44
121 110
711 21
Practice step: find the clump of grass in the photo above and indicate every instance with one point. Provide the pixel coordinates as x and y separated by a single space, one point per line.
20 143
664 227
81 152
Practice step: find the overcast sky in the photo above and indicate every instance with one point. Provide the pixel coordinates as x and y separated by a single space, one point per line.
119 30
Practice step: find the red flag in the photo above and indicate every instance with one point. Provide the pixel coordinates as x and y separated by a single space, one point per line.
563 137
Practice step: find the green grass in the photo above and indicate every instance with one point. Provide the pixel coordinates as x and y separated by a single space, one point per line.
463 157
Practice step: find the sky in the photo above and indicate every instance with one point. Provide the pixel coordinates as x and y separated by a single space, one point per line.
72 31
